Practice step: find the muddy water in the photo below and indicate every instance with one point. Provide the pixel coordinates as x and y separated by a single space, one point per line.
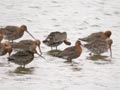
78 18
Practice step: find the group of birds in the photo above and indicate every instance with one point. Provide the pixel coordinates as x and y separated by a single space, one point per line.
96 43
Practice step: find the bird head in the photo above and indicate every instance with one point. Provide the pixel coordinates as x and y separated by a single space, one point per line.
107 33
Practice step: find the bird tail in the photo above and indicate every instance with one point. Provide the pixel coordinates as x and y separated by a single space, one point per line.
83 39
67 42
44 41
10 59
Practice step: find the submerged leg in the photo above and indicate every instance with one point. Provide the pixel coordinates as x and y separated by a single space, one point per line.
56 47
51 48
24 66
68 60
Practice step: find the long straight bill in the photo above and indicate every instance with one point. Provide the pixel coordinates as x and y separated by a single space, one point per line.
40 50
30 34
40 55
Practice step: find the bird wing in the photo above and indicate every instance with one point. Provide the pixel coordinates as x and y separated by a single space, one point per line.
2 49
26 42
56 37
67 52
8 30
20 55
98 46
94 36
23 45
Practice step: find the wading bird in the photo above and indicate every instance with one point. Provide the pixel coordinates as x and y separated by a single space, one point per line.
71 52
54 39
14 32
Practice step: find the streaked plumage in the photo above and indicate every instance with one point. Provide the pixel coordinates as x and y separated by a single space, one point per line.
98 42
99 46
29 45
22 58
93 37
54 39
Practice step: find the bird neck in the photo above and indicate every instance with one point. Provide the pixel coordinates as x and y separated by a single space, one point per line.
1 34
78 49
21 31
8 49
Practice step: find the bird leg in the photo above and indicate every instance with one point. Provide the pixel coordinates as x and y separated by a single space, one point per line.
56 47
51 48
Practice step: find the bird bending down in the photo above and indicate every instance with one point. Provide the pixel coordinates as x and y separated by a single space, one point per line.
71 52
27 45
14 32
98 42
99 46
54 39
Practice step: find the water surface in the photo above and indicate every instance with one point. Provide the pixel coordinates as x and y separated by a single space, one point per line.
78 18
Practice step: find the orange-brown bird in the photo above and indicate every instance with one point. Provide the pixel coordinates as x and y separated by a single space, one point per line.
71 52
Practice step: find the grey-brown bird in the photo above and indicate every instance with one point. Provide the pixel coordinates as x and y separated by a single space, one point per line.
96 36
100 46
27 45
22 58
14 32
54 39
71 52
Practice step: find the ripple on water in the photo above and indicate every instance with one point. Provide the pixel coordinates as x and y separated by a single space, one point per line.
22 70
100 59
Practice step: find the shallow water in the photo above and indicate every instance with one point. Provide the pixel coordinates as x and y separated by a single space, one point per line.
78 18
